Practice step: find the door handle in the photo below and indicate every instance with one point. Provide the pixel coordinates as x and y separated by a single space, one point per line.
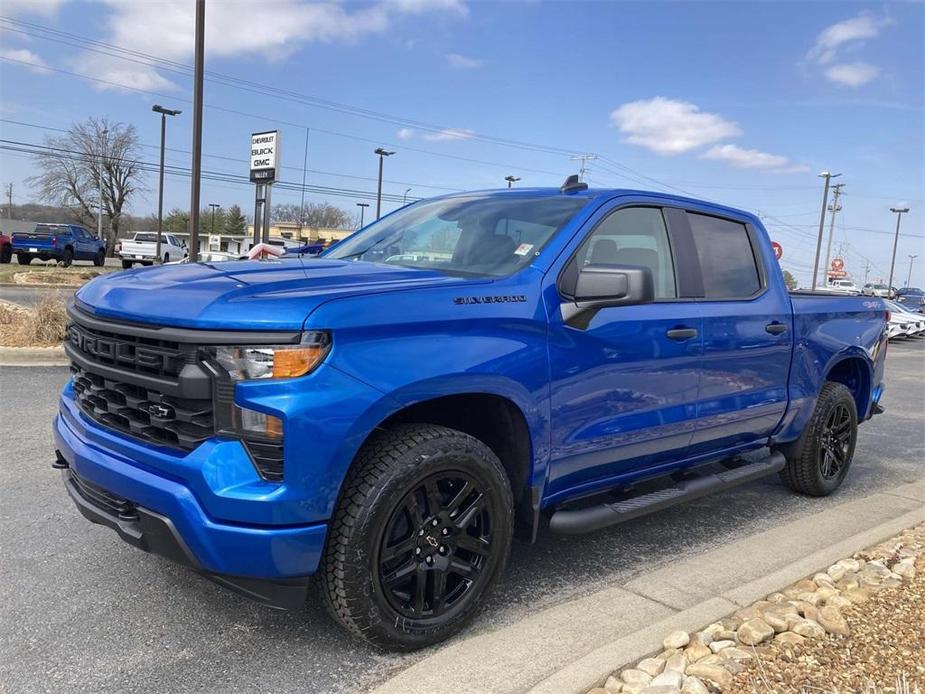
681 333
775 328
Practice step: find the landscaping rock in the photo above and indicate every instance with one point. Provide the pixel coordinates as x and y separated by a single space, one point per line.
837 572
788 638
832 621
613 685
849 564
754 631
736 654
712 675
693 685
676 663
635 677
669 678
717 646
905 568
809 629
651 666
661 689
696 651
676 639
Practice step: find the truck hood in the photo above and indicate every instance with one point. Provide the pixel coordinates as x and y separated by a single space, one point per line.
244 295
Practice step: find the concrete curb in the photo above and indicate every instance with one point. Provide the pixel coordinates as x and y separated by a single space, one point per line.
550 652
33 356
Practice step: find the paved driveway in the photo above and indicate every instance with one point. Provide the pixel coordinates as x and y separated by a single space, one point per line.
81 611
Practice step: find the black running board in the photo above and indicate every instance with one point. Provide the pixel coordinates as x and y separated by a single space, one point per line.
578 521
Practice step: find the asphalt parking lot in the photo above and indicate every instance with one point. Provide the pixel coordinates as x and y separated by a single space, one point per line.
81 611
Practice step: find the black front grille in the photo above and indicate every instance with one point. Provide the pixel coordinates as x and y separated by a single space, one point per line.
267 457
103 499
142 412
143 355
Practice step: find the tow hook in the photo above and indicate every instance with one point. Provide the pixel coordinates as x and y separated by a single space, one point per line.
60 463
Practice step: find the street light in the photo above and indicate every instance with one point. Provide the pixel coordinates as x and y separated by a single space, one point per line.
899 212
404 198
825 199
909 278
382 155
99 217
362 206
157 108
511 180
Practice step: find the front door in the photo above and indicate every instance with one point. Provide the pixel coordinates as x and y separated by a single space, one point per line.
624 387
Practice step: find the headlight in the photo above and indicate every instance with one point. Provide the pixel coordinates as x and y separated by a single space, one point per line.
244 362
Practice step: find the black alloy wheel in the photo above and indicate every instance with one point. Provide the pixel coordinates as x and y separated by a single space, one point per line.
836 442
435 546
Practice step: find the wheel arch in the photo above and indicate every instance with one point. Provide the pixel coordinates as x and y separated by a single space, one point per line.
855 373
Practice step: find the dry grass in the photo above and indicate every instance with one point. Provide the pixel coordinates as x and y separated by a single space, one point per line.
43 326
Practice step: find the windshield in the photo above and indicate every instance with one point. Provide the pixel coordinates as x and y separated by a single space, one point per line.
906 291
147 237
482 235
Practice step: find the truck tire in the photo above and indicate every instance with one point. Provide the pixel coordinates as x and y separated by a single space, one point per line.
422 531
67 258
819 460
100 258
23 258
126 264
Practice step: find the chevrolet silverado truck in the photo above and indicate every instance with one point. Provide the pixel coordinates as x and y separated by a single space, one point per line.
466 369
142 249
64 243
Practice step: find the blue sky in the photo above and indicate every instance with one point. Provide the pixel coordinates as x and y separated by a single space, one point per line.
743 103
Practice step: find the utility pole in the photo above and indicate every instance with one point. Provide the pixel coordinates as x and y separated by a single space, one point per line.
584 159
362 206
899 212
213 205
909 277
197 130
834 208
9 196
866 272
825 199
99 217
511 180
302 202
157 108
382 155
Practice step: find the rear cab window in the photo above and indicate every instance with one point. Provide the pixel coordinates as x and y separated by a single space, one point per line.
727 259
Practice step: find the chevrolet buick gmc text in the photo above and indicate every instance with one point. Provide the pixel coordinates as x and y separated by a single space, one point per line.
468 368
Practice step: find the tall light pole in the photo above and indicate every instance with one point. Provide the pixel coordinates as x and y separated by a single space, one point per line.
825 199
511 180
362 206
899 212
909 277
99 217
834 208
212 205
382 155
200 47
404 198
157 108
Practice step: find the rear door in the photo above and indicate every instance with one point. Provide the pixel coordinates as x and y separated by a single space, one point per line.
624 386
747 333
84 246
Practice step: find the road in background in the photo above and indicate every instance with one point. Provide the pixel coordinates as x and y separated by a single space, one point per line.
30 296
82 611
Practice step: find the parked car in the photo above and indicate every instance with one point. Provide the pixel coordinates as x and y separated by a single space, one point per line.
142 249
911 298
903 321
579 358
6 248
210 257
843 286
64 243
881 290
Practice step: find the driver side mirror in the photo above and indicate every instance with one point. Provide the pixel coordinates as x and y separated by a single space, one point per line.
605 286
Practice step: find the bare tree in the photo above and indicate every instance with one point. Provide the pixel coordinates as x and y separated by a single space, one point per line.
70 168
318 215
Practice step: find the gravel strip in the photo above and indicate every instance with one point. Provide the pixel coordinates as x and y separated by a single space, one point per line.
859 627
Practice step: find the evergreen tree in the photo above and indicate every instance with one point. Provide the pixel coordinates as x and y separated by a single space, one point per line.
235 221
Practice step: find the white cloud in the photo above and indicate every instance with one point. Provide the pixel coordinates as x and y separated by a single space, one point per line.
668 126
25 56
457 60
852 74
450 134
742 158
832 38
405 134
165 29
841 37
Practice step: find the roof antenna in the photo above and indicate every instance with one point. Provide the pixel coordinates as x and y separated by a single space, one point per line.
573 184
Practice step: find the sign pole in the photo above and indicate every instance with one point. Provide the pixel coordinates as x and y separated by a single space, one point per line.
266 212
264 155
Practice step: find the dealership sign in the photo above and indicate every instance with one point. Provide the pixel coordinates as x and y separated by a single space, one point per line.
264 155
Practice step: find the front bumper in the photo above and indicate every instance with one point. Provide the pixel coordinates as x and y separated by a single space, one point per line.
268 563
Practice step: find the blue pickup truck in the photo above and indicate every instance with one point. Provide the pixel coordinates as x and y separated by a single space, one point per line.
467 369
62 242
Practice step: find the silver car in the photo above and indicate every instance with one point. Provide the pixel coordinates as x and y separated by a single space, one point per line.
881 290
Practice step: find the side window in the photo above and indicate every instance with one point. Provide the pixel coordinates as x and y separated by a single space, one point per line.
727 260
633 236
